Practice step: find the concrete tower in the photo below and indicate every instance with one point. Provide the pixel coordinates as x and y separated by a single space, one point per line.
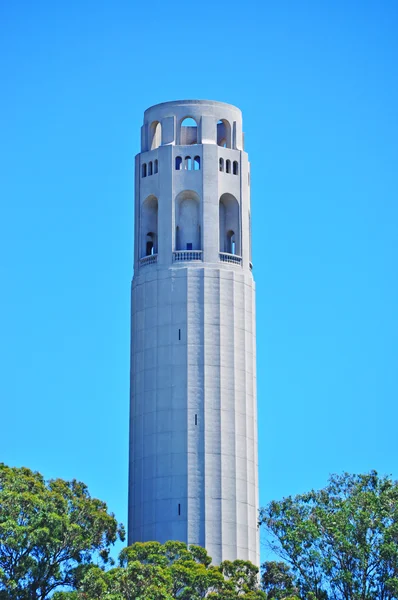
193 429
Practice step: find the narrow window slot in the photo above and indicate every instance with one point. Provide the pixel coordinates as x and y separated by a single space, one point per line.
196 419
179 510
179 334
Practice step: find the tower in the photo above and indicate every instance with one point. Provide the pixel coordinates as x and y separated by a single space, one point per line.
193 419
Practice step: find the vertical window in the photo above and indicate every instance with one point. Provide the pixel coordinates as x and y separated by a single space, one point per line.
188 163
236 167
178 163
144 170
196 163
221 164
150 171
188 132
179 334
224 133
196 419
179 509
155 170
155 135
228 166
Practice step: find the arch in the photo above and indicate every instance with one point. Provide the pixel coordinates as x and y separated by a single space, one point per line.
149 226
196 163
229 224
235 168
221 162
187 221
188 163
224 133
143 170
188 131
231 242
150 168
155 135
228 166
178 163
156 166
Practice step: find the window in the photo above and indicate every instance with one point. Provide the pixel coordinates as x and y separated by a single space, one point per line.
235 168
188 163
187 221
229 220
224 133
228 166
150 168
155 170
196 419
144 170
155 135
221 164
178 163
196 163
149 226
188 132
149 246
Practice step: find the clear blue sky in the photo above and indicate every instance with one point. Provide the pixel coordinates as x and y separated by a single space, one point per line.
318 86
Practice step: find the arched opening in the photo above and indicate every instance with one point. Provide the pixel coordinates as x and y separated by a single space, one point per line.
150 244
149 226
188 132
187 219
231 242
156 166
228 166
221 165
229 222
235 168
150 168
224 133
196 163
188 163
178 163
155 134
143 170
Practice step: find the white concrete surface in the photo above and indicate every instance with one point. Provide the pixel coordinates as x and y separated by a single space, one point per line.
193 428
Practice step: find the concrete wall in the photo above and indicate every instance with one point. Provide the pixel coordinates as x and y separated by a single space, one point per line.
193 446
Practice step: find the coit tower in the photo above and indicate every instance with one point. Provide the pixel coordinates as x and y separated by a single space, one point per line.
193 420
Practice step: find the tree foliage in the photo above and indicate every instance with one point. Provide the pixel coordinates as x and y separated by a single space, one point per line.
278 581
49 533
341 541
153 571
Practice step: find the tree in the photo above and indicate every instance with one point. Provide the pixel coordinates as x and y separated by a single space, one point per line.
49 533
341 541
278 581
153 571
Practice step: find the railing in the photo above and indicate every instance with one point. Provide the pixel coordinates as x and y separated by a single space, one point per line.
230 258
148 260
187 255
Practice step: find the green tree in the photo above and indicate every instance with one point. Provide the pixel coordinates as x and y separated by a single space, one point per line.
341 541
49 533
166 572
278 581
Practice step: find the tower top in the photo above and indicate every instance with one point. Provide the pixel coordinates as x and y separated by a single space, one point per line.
213 105
185 122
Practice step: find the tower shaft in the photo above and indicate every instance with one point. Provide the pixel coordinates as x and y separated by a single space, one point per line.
193 418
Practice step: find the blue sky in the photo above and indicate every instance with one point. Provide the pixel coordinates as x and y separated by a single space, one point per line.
318 86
